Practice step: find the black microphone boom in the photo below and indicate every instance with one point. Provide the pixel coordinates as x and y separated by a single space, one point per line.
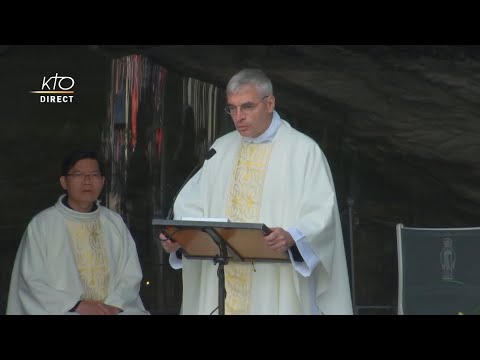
210 153
197 167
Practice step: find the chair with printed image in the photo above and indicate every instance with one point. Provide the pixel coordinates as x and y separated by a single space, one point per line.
438 271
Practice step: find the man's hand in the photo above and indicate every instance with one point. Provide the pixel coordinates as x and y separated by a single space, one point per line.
168 245
279 240
90 307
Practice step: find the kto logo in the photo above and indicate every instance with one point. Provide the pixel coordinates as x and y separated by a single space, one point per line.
58 87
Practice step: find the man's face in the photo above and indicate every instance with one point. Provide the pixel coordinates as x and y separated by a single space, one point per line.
83 184
251 113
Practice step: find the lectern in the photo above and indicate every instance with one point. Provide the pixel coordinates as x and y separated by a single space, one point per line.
221 242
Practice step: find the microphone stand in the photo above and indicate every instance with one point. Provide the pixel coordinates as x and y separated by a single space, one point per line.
192 173
197 167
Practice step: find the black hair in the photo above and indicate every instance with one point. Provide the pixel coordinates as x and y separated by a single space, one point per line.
75 156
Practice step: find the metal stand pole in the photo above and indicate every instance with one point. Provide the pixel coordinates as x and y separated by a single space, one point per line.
222 260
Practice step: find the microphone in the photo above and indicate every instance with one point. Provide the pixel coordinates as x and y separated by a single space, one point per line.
208 156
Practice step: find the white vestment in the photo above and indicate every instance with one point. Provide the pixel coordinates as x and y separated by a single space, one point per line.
45 276
298 193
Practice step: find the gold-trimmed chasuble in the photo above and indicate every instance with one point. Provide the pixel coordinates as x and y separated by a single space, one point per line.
243 205
90 254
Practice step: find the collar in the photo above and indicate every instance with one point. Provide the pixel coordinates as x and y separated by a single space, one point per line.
270 133
76 215
64 201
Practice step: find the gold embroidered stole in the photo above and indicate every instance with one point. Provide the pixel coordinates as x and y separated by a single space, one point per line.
243 205
88 247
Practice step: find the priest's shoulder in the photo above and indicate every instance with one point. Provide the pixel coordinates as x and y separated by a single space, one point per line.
45 214
297 137
111 214
227 139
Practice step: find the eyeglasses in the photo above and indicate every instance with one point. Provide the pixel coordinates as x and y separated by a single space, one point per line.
79 176
246 108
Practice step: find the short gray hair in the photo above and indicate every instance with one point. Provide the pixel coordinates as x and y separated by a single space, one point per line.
254 77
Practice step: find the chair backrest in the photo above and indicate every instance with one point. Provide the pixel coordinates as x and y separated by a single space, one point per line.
438 270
